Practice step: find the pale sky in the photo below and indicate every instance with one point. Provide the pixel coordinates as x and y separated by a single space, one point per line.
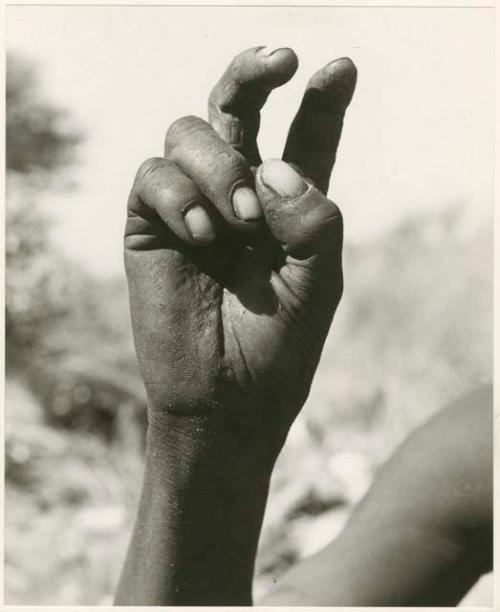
418 134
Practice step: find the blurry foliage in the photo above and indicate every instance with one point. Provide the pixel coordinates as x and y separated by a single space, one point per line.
61 335
39 136
414 329
75 417
37 149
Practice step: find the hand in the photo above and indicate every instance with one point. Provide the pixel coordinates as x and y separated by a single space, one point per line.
234 266
234 272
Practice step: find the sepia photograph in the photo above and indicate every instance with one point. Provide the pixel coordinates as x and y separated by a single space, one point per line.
249 305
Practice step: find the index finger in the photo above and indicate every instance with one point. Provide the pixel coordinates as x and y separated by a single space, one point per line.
315 132
236 100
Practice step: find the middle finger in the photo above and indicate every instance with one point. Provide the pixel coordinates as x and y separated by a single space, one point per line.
222 174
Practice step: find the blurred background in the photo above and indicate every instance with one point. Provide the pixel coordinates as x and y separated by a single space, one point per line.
90 93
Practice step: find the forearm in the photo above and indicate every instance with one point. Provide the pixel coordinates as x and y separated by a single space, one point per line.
381 563
199 518
423 533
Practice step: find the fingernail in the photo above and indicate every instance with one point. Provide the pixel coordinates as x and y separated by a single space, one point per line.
342 75
341 66
267 51
282 178
246 205
198 223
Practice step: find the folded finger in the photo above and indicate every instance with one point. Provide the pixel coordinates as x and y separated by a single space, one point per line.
221 173
162 195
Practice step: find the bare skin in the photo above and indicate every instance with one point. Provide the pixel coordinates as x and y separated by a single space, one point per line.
423 534
234 271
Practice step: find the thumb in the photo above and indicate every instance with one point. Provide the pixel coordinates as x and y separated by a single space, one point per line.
299 216
309 226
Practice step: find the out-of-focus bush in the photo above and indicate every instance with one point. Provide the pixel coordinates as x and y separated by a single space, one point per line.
74 400
69 501
62 338
40 138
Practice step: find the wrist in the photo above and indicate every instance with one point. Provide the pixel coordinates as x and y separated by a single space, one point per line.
204 509
199 521
214 443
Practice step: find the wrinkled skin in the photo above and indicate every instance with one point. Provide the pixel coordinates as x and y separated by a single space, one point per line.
231 330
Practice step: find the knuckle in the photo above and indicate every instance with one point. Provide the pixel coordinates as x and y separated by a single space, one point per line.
149 169
235 168
179 196
132 201
332 219
158 180
336 213
150 173
180 129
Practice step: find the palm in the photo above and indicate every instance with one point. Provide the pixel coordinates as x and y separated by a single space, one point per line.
228 319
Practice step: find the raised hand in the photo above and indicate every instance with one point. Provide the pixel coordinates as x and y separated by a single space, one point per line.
234 272
234 266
